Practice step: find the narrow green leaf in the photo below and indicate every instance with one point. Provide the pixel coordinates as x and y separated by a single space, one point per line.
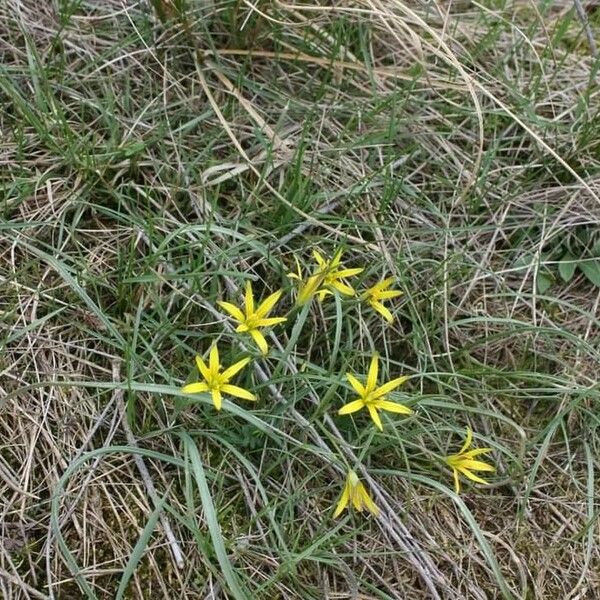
139 549
210 514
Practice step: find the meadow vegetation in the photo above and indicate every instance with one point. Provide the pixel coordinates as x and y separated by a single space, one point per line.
161 158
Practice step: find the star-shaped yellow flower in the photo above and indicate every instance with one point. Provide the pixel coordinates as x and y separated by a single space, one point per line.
464 462
252 319
217 383
373 397
327 278
333 275
375 294
356 493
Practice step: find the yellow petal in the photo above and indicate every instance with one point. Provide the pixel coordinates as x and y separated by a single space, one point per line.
267 305
456 481
393 407
389 294
372 375
235 368
238 392
356 384
384 283
320 260
375 416
216 398
351 407
368 502
343 501
259 340
308 290
347 273
471 476
390 386
476 452
335 261
195 388
213 361
382 310
476 465
204 370
342 288
468 441
232 309
249 298
356 497
269 322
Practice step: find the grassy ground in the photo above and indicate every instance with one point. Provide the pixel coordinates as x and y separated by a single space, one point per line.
158 155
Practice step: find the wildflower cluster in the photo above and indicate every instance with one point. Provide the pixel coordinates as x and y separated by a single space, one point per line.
328 277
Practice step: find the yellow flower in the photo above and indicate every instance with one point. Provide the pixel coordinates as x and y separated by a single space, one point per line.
373 397
253 319
217 383
308 288
327 277
374 295
464 462
333 275
355 492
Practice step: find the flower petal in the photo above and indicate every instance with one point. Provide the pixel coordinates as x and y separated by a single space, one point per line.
389 294
322 293
267 305
456 481
359 388
259 340
368 502
249 298
232 309
235 368
468 441
204 370
351 407
269 322
476 465
216 398
320 260
476 452
390 386
195 388
375 416
393 407
337 258
347 272
472 476
382 310
343 501
308 290
373 372
238 392
342 288
213 361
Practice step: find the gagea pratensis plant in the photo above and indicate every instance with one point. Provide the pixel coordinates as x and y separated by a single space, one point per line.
372 397
216 382
328 276
254 318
